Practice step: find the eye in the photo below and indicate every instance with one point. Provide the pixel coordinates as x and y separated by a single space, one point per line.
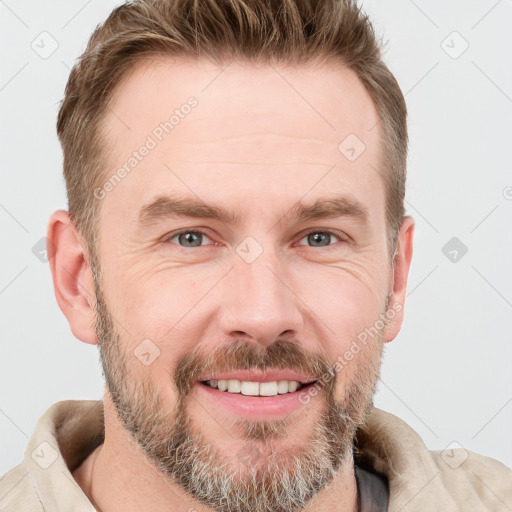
189 239
320 238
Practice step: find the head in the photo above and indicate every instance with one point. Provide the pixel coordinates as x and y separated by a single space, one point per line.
235 176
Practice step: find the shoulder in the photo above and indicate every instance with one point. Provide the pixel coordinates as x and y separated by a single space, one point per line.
423 479
64 434
18 493
474 478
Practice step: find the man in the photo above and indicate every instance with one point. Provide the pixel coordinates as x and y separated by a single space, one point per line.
237 247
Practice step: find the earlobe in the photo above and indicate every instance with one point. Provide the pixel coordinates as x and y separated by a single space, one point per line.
398 281
72 277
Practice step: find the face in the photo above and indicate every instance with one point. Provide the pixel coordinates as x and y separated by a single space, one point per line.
243 246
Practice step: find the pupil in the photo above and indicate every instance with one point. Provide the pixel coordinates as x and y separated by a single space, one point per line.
190 238
317 237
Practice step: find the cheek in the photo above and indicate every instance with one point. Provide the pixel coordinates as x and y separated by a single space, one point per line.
352 309
161 319
169 307
152 303
345 300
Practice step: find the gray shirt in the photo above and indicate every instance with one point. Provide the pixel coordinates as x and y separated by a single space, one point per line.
372 491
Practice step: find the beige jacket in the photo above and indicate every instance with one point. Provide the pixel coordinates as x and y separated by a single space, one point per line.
419 479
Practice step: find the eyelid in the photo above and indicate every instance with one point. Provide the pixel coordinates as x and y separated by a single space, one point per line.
341 236
169 236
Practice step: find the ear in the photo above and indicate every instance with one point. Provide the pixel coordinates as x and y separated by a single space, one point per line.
72 276
398 280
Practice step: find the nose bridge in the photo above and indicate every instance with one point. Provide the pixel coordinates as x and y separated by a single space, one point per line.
258 302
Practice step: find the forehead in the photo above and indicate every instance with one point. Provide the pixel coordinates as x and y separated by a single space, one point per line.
327 97
256 124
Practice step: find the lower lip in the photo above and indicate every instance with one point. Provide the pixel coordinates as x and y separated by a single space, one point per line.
255 407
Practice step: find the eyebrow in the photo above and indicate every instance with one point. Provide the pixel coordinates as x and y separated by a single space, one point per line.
339 206
165 207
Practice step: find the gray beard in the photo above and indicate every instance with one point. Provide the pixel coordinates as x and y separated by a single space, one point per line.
262 477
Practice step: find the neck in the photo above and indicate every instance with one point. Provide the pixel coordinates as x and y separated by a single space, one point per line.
118 476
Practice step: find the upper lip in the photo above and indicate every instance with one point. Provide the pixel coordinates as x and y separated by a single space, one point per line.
258 376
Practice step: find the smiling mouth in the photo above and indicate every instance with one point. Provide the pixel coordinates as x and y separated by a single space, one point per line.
249 388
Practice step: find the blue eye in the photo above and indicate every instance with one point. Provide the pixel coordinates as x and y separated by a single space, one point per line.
192 239
320 238
189 239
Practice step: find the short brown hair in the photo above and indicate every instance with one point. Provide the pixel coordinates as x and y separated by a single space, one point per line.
263 30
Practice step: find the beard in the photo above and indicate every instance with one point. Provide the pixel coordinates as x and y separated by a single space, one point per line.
262 476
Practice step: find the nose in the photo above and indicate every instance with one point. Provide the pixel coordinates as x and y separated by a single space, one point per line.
258 302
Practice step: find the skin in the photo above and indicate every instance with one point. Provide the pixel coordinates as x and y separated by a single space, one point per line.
255 146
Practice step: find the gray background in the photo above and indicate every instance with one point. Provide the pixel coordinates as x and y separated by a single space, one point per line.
448 374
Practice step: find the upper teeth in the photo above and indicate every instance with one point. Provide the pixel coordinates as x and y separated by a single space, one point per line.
255 388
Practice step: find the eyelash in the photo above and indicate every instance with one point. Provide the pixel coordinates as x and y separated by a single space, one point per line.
198 231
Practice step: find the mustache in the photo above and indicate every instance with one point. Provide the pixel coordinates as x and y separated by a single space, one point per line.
241 355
